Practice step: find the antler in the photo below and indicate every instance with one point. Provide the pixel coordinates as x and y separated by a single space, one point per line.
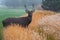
25 6
33 5
26 9
33 8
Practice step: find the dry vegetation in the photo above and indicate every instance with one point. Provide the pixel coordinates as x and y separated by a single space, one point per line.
15 32
37 15
51 25
45 25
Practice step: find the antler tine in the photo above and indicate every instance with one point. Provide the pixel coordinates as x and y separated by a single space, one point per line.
33 7
26 9
25 6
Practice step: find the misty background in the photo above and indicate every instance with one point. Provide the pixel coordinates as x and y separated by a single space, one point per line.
18 3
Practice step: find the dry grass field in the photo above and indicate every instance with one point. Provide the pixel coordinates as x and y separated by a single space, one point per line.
51 25
45 25
16 32
39 14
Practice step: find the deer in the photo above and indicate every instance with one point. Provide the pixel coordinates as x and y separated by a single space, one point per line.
23 21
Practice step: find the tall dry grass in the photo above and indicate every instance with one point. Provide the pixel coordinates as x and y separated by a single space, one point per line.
37 15
33 32
51 25
15 32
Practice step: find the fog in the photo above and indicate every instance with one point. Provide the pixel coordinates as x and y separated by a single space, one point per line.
18 3
0 1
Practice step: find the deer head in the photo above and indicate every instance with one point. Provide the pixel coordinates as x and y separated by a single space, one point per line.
28 11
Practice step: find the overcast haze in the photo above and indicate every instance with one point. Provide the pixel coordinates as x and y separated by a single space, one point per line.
22 2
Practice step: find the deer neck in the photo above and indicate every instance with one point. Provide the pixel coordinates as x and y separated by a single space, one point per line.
30 17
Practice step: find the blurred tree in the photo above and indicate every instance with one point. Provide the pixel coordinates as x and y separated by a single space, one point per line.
19 3
12 3
53 5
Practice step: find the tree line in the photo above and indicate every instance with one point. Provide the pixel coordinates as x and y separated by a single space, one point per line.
19 3
53 5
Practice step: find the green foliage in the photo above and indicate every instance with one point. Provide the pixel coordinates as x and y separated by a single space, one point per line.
53 5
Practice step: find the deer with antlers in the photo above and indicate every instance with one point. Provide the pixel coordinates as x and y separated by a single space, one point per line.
23 21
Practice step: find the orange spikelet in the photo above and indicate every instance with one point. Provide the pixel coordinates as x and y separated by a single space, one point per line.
18 33
39 14
51 25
